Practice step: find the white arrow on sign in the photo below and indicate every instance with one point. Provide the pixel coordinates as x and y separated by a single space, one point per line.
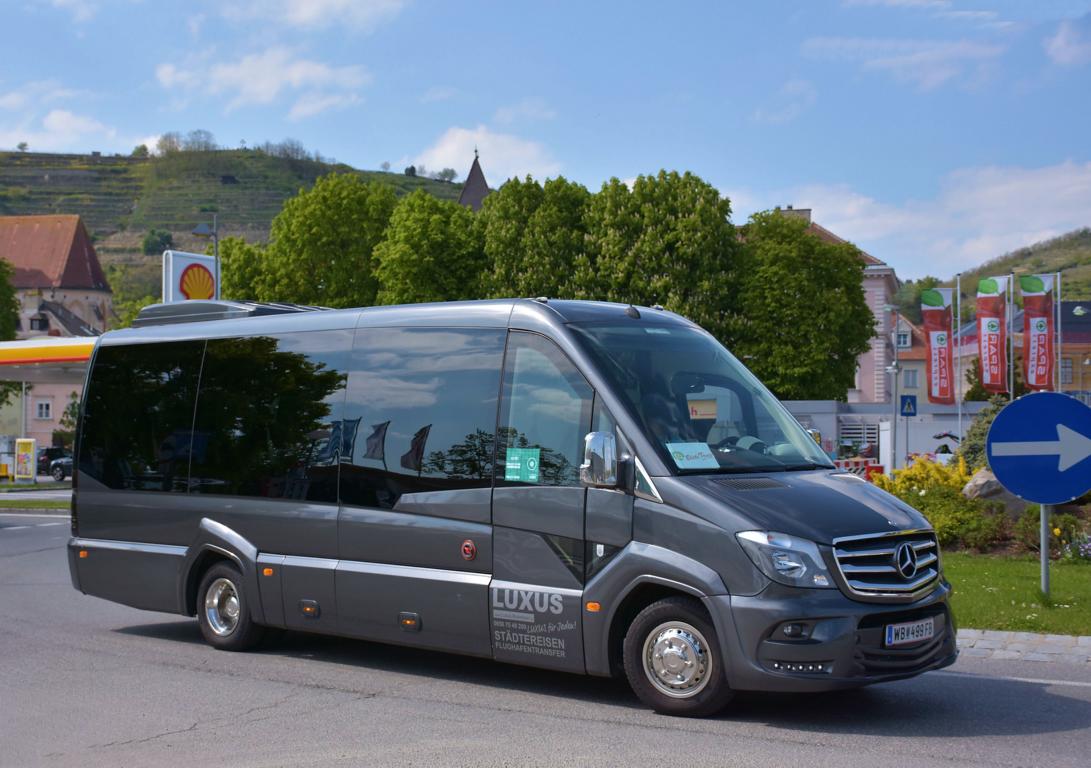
1070 448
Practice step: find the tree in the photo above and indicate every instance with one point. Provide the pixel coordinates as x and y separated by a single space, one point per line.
972 447
169 143
243 271
199 141
432 251
977 391
67 422
385 165
669 240
156 241
533 236
805 316
411 171
22 146
140 150
322 242
447 174
9 318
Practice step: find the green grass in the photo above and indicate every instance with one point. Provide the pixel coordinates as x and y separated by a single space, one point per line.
993 592
44 485
33 504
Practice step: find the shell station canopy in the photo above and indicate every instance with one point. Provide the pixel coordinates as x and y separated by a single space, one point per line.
49 360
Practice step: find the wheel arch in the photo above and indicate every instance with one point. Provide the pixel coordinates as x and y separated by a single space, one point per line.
215 543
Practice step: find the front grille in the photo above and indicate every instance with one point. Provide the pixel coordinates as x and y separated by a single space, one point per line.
869 565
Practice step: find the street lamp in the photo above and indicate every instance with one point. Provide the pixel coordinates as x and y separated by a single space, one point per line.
893 369
204 231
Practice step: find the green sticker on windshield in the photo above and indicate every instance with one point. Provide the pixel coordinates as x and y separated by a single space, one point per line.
521 464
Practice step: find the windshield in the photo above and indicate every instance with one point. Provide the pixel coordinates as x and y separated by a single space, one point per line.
699 405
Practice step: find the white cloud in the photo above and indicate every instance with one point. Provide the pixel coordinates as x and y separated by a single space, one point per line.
35 94
793 98
311 104
438 93
503 155
927 64
531 110
1071 45
81 10
262 78
61 131
364 15
978 214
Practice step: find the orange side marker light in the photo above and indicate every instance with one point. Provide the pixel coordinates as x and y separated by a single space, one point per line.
266 571
594 607
83 554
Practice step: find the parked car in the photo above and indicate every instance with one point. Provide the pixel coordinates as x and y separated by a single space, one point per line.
46 457
61 468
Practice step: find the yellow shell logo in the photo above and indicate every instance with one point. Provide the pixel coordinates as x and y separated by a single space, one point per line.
197 282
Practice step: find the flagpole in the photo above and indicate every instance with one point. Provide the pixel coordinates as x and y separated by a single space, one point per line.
958 346
1011 336
1060 338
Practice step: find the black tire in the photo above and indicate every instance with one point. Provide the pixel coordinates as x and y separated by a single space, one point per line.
58 473
223 611
691 644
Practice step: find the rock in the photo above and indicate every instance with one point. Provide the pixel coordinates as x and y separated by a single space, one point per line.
984 485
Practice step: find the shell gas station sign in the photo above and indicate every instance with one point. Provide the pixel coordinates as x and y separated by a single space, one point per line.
189 276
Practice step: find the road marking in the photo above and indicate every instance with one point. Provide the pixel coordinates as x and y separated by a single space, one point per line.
15 527
1034 680
46 525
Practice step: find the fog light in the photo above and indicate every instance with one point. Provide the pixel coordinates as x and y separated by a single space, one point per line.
803 667
793 630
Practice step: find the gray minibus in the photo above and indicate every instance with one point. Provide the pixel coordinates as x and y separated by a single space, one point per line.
586 487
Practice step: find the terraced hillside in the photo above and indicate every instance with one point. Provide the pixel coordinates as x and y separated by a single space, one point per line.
126 195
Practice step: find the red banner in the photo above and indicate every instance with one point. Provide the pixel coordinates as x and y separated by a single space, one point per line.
992 336
936 312
1038 325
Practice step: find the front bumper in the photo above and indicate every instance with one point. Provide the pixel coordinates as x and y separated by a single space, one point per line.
842 645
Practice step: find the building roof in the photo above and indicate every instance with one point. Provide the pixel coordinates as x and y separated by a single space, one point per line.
476 189
50 252
918 349
824 234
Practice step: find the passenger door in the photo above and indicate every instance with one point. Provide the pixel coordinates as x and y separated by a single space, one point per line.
415 532
539 506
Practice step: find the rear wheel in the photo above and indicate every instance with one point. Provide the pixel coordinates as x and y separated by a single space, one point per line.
58 473
672 659
223 612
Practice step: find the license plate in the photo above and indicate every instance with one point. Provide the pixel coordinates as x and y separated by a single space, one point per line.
909 632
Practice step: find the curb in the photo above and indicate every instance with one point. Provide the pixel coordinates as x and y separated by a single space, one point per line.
1024 646
43 511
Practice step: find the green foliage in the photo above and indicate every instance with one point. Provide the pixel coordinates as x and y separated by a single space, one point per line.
156 241
806 319
9 316
972 448
141 150
432 251
242 271
534 235
135 286
322 243
668 240
977 392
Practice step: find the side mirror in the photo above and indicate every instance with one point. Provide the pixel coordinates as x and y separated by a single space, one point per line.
599 468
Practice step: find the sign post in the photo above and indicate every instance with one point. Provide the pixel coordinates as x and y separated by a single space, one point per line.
1039 448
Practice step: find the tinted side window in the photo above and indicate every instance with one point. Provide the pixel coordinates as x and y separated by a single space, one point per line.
425 399
269 416
138 416
544 415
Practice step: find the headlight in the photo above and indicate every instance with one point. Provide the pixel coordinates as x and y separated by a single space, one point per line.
786 559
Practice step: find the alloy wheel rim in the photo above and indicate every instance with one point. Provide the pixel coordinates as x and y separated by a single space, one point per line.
222 607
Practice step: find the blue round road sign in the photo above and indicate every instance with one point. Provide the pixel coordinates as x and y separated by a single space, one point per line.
1039 448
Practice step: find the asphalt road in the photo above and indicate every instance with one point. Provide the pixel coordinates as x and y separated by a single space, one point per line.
84 682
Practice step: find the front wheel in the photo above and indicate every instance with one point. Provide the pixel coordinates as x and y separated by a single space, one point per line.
222 611
58 473
672 659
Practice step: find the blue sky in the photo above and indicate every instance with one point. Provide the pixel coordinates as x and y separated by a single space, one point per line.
934 134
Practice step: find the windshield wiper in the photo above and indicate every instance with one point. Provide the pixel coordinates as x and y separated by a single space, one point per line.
804 466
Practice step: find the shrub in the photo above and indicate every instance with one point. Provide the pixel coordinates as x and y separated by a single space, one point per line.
926 475
1078 550
972 447
1063 531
